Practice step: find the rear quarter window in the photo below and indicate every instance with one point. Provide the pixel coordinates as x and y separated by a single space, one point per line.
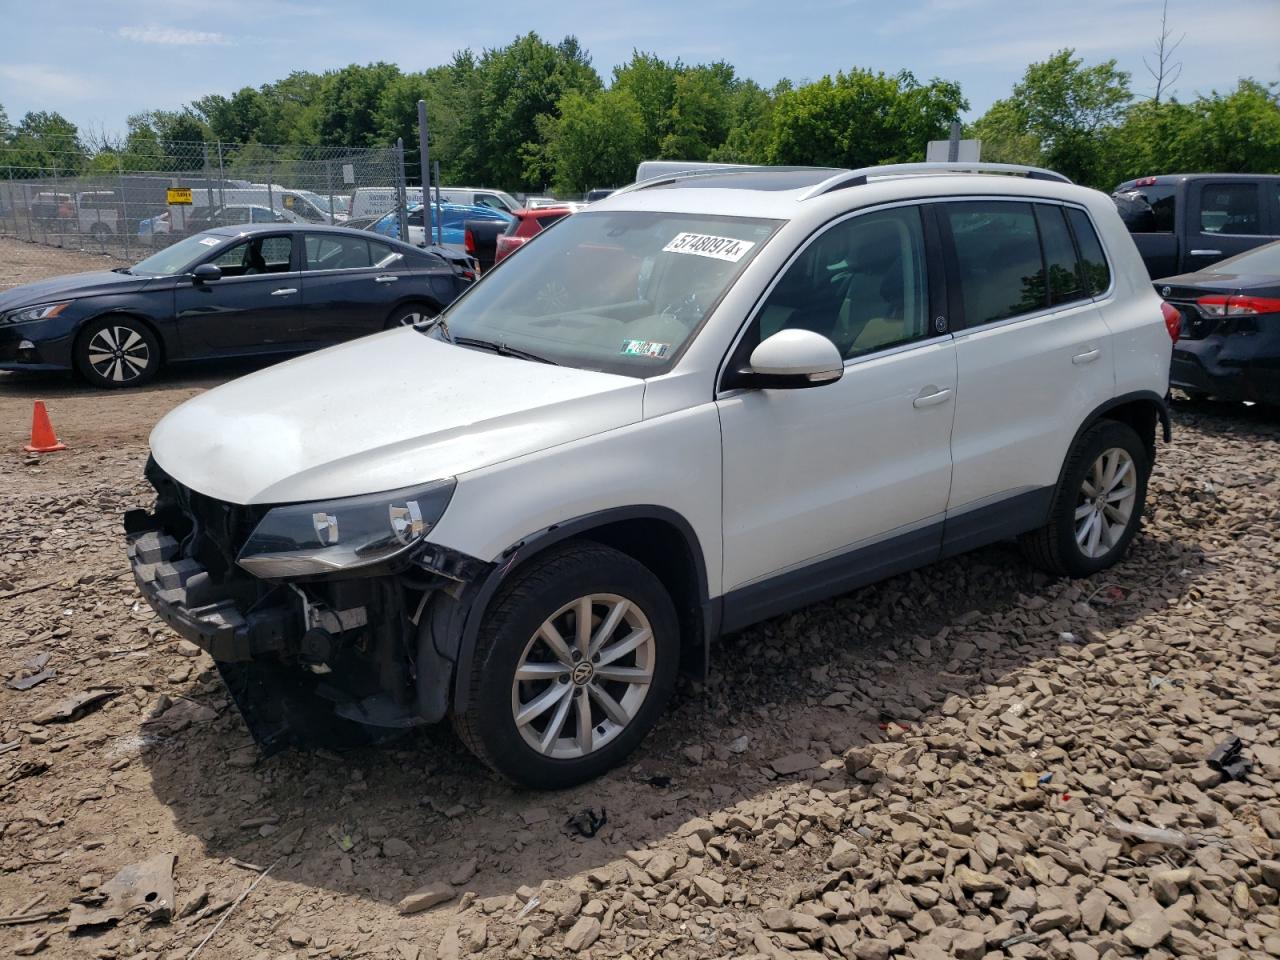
1148 209
1093 262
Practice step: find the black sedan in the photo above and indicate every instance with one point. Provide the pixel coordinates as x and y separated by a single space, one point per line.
1229 343
226 292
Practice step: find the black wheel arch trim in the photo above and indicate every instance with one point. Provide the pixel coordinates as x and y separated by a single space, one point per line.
475 601
1160 403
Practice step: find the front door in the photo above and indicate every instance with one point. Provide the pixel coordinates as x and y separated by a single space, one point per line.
252 309
844 483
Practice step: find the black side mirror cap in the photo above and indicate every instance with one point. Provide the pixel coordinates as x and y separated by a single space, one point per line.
206 273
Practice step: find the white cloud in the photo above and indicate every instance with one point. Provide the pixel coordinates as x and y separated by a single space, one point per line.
172 37
42 80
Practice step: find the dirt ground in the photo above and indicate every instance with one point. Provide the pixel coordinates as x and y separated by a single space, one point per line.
940 765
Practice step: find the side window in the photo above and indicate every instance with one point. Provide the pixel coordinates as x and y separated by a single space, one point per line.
1093 263
336 252
861 284
488 200
263 215
1065 282
231 261
276 253
998 252
384 257
1230 208
1148 209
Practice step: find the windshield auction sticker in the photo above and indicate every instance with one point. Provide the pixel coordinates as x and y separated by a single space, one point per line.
644 348
705 245
210 241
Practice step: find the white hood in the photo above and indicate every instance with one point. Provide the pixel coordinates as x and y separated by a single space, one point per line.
380 413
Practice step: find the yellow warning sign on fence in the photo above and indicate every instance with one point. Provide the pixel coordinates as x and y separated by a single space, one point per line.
180 195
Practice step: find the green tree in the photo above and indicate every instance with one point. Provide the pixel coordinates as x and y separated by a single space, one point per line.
516 85
5 130
651 81
45 144
1067 110
861 118
239 118
1004 136
596 141
346 104
701 112
750 125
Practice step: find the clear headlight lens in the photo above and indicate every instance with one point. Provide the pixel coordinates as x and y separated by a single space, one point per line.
303 539
44 311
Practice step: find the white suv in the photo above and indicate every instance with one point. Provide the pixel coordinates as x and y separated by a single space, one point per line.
703 401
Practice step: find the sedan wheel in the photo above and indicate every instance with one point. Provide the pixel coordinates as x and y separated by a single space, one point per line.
117 352
409 316
583 676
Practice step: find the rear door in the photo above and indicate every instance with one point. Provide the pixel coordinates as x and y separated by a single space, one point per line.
1033 357
253 308
1227 217
349 286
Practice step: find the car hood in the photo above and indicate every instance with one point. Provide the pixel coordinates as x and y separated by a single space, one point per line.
65 287
380 413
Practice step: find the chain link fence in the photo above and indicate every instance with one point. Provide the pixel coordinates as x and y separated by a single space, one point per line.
121 203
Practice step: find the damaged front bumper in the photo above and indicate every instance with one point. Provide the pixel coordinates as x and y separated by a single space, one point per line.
374 651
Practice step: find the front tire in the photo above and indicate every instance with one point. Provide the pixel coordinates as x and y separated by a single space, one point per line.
410 314
1097 508
575 662
117 352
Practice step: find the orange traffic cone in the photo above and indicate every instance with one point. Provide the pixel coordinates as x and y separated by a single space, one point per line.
43 439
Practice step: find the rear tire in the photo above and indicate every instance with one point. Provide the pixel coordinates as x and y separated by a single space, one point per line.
117 351
570 717
1098 505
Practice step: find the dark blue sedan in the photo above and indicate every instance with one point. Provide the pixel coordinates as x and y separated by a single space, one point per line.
226 292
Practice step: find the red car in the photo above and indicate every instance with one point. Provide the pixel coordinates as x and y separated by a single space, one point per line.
527 224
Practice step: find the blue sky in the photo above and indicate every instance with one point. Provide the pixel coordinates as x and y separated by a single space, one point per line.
97 62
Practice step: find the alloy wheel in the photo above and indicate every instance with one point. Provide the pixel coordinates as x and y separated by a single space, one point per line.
119 354
411 318
1105 503
583 676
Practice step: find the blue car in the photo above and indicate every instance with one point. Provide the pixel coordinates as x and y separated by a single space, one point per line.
452 218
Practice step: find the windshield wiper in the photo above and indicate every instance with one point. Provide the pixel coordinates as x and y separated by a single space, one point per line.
435 323
502 349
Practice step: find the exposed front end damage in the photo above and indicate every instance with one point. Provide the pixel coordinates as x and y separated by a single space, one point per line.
337 659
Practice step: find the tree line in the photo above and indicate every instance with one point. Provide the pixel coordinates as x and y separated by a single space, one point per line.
534 115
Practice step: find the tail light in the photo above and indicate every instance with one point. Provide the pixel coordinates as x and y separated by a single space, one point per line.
1221 305
1145 182
1172 319
469 242
506 246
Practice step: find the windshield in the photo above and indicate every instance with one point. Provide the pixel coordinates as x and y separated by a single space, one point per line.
178 257
621 291
1262 260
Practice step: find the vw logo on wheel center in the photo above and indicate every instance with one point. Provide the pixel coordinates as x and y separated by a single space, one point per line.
582 673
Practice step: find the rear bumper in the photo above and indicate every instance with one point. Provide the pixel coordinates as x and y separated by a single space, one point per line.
1240 366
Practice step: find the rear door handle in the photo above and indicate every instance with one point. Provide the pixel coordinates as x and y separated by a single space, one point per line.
284 291
385 279
1206 253
931 399
1087 357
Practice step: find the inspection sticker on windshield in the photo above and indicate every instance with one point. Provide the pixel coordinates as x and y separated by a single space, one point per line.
705 245
211 241
644 348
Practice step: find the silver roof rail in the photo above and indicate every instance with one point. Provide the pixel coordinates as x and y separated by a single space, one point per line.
694 171
856 178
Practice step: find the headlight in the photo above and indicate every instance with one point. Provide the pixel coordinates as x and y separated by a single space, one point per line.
45 311
303 539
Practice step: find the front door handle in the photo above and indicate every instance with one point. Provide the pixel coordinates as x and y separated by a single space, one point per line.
385 279
284 291
1206 253
1087 357
931 399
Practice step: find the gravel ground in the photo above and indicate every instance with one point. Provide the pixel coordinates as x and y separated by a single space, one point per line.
23 262
968 761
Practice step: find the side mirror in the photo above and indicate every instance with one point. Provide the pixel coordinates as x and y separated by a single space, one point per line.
206 273
793 359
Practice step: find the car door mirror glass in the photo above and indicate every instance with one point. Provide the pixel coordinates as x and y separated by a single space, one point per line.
796 358
206 273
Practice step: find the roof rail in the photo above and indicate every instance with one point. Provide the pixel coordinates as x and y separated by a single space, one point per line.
856 178
692 170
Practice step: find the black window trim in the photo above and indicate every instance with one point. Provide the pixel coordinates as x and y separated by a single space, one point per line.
295 254
959 323
938 306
